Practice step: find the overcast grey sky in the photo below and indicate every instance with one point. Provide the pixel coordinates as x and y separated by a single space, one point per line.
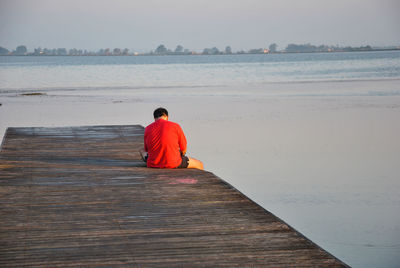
195 24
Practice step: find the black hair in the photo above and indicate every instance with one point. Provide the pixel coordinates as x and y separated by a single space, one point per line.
160 112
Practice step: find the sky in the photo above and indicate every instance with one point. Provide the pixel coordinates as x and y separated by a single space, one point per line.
142 25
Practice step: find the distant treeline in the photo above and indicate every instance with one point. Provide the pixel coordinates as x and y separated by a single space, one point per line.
323 48
180 50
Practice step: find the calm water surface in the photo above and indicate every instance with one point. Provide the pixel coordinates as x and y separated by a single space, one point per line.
32 73
314 138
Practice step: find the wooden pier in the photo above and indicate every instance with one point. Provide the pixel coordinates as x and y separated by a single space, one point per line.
81 196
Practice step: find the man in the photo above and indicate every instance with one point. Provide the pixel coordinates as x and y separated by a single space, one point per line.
165 144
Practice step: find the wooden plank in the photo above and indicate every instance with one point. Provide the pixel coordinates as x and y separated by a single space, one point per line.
81 196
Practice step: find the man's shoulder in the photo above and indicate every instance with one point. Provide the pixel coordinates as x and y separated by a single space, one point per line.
174 125
149 127
164 123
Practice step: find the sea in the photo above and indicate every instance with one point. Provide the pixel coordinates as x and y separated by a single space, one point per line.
53 72
311 137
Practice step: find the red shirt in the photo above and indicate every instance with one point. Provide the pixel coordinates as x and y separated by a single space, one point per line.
164 141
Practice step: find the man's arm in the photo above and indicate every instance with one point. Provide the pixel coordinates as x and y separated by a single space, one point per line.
144 140
182 141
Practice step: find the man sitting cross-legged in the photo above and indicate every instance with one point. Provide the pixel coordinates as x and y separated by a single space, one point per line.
165 144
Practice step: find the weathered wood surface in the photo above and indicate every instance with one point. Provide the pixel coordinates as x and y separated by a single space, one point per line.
80 196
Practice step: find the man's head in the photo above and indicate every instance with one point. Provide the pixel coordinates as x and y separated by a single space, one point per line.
160 113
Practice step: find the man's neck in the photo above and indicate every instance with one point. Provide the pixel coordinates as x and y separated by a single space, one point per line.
162 117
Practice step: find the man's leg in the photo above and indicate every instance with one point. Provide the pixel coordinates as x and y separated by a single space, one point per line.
194 163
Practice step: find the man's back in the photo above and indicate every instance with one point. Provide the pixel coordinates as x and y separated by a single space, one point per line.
165 142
